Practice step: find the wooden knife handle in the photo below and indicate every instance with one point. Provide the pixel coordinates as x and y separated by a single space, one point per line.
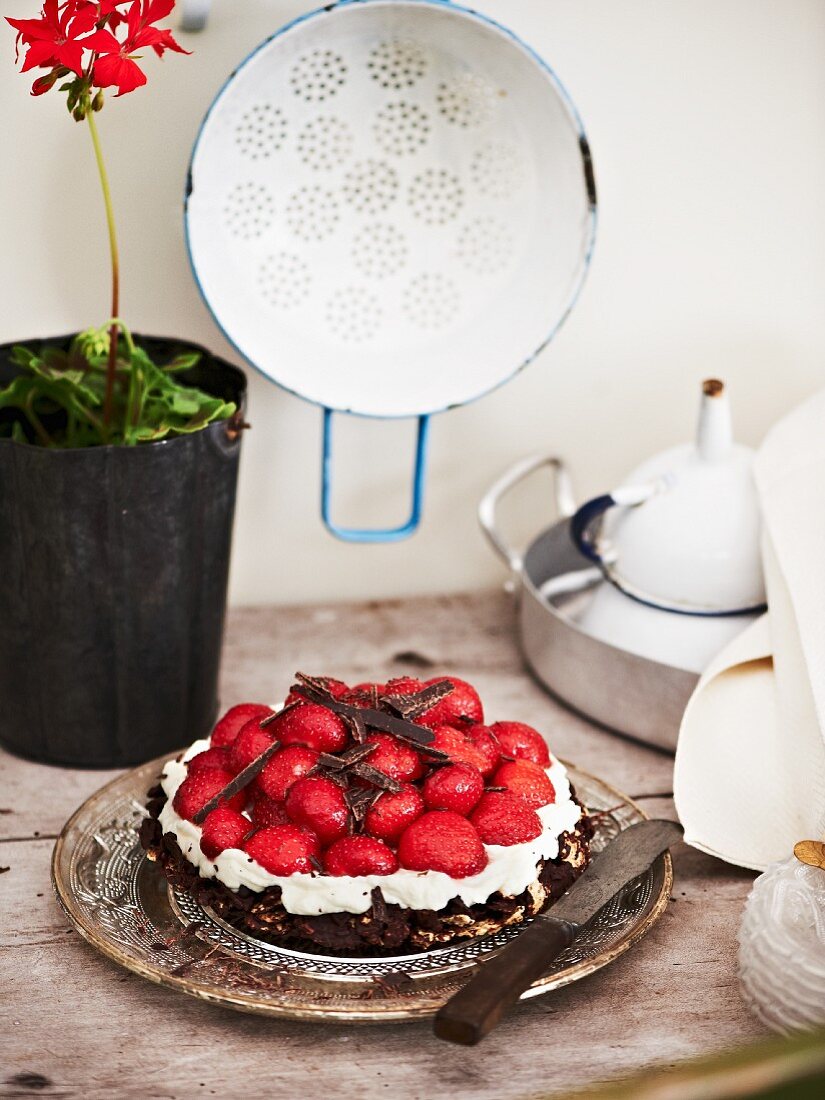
476 1009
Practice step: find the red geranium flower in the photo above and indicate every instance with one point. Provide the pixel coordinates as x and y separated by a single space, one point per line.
54 38
115 65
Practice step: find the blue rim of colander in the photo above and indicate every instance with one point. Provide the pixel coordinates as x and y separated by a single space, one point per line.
405 529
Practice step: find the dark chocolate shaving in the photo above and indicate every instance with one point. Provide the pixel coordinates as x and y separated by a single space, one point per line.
329 762
337 777
270 718
419 736
317 865
416 703
358 752
355 724
345 759
241 780
317 683
379 904
359 800
376 777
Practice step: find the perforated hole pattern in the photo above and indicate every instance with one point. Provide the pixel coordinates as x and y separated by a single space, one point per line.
436 196
312 213
431 300
317 75
380 250
248 210
466 100
497 169
397 64
284 280
401 128
354 314
324 143
371 186
485 246
261 131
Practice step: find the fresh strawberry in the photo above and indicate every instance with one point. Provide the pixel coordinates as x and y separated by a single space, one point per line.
318 804
312 725
266 811
504 818
441 840
196 790
248 745
482 739
462 703
458 747
394 758
224 828
527 780
209 758
366 686
281 770
283 849
454 787
360 855
522 742
392 812
234 720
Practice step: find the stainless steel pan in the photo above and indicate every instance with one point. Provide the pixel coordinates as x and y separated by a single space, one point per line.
620 690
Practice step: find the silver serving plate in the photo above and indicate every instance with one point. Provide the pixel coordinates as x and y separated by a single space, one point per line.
120 902
622 691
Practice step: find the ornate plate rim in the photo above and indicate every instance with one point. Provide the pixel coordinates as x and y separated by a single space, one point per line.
217 994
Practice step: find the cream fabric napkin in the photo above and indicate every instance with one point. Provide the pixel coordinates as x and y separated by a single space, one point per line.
749 779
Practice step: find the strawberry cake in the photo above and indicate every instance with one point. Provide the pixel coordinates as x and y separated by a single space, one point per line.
375 819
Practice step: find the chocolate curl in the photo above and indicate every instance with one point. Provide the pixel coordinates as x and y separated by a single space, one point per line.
377 778
418 736
360 799
419 702
270 718
346 759
241 780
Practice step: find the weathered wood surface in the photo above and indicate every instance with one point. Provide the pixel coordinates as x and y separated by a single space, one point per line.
73 1024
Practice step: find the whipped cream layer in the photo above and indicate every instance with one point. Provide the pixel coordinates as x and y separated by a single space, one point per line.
510 869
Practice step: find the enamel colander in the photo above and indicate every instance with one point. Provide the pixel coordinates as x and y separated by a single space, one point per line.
390 210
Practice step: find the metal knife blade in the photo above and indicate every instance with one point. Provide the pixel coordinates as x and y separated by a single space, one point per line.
476 1008
625 858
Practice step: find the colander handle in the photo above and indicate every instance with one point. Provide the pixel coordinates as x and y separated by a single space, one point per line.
374 534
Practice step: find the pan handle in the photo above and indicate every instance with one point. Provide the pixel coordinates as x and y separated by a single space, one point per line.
374 534
488 507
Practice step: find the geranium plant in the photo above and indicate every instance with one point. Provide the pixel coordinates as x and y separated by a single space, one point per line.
104 388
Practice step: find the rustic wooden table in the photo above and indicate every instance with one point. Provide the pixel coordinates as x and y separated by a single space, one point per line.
73 1024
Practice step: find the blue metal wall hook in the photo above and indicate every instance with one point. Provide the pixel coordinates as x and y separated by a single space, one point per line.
374 534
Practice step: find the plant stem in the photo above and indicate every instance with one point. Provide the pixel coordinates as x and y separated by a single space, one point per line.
110 223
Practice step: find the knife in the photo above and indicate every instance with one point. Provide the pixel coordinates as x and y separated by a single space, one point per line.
476 1009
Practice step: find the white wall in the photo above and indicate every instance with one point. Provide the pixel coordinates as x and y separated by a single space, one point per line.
707 122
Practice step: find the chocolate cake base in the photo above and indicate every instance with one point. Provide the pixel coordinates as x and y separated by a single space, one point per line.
384 929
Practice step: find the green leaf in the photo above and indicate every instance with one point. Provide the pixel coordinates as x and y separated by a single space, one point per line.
184 403
22 356
61 394
184 361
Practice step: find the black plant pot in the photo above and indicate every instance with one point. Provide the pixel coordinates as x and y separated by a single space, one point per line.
113 575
